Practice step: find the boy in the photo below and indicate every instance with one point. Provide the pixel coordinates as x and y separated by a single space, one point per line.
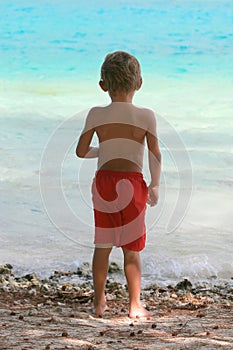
119 191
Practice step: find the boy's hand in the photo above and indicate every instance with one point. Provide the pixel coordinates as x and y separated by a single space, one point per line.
153 195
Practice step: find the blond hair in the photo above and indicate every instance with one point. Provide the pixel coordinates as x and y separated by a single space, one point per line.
121 72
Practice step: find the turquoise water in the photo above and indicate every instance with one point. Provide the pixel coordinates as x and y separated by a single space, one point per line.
50 57
64 39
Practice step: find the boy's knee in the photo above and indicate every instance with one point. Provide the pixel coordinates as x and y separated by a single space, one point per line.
130 254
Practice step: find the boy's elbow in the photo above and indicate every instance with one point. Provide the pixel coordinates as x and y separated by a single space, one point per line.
159 157
156 155
80 153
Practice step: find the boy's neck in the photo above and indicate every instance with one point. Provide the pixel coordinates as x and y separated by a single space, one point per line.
122 97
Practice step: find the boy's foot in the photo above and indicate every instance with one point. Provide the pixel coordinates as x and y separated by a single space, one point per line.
139 311
100 309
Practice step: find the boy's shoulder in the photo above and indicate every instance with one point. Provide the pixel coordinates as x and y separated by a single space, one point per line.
121 113
95 112
97 109
145 111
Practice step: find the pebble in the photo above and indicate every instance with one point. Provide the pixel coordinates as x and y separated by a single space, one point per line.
174 334
114 267
174 296
64 334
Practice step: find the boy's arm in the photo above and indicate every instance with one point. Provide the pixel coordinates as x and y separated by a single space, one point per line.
154 157
83 149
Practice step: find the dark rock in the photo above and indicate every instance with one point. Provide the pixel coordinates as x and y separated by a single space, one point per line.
5 270
8 266
64 334
30 277
84 270
113 267
185 284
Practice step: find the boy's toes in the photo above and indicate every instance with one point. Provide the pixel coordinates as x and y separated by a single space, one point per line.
99 310
140 312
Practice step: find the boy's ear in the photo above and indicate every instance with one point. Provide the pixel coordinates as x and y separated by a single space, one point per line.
101 84
139 84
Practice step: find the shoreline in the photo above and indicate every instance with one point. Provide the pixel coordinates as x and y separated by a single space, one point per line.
55 314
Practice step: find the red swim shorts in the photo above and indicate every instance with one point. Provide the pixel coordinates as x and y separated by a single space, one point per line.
119 200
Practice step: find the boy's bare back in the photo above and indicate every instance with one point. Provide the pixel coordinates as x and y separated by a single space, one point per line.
122 129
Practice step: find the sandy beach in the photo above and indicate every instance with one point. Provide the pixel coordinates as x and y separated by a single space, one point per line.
55 314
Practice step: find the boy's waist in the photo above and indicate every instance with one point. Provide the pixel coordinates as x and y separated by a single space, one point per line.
119 173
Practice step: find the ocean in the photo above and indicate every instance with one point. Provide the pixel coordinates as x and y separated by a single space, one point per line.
50 58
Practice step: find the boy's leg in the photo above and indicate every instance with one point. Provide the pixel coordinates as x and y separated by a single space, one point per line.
100 270
132 267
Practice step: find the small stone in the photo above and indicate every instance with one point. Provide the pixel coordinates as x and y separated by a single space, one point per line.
140 331
13 313
174 334
154 325
61 304
47 347
30 277
101 333
207 333
113 267
216 327
8 266
132 334
64 334
185 284
21 317
174 296
131 324
4 271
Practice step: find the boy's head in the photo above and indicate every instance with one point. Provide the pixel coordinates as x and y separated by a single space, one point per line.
121 72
